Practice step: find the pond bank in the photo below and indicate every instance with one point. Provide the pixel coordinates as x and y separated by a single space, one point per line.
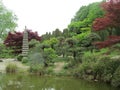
31 82
5 62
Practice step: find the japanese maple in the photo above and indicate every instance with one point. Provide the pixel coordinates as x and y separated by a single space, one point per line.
14 40
110 20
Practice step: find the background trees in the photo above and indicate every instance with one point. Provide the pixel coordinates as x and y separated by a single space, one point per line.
84 18
7 21
110 22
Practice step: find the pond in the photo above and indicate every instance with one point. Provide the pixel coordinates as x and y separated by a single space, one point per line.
23 82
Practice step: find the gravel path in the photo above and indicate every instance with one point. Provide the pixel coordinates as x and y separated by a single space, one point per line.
58 66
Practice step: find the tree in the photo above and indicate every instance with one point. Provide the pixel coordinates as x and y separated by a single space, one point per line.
61 46
56 33
66 33
49 54
14 40
111 18
85 16
7 21
110 22
51 42
72 47
46 36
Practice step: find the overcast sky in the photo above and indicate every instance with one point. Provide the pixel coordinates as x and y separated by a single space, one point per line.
45 15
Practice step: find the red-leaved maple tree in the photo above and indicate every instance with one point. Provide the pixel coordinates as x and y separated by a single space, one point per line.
14 40
110 20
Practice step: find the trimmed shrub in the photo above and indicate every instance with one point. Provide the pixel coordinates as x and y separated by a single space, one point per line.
24 59
19 57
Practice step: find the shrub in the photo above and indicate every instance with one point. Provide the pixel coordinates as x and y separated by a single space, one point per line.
70 64
11 68
49 54
24 59
116 78
36 58
49 70
19 57
83 70
37 69
5 52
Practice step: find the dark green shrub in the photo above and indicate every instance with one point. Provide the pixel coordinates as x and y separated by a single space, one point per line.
19 57
100 66
116 78
82 70
24 59
110 68
105 68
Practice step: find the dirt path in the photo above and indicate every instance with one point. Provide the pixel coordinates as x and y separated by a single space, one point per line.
8 61
58 66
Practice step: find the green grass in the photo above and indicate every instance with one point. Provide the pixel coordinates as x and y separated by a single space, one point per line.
11 68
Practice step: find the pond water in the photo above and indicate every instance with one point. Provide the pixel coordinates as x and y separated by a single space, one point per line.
22 82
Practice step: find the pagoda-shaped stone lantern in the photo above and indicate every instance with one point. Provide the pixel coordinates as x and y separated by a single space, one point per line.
25 45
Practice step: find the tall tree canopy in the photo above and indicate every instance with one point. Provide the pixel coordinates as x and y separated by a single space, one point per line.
85 16
111 18
7 21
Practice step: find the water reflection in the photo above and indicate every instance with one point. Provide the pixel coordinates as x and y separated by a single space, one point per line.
22 82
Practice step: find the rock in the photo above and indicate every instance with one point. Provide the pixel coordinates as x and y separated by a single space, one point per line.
88 77
96 80
88 71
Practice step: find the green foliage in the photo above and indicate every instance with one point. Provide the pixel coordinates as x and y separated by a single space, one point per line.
116 78
117 46
19 57
35 58
49 54
91 11
85 17
49 70
5 52
82 35
8 21
102 51
37 69
11 68
33 43
56 33
81 14
46 36
99 66
51 42
24 59
66 33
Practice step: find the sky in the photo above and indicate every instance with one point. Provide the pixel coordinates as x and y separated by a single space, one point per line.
44 15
